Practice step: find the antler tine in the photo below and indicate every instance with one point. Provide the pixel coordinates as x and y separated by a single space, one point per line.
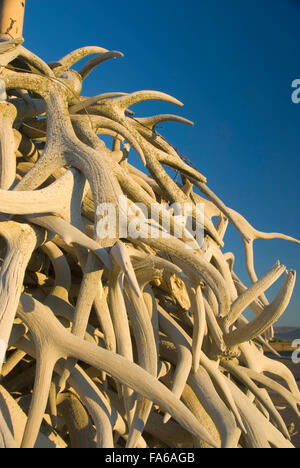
124 102
76 55
151 122
271 314
94 62
87 102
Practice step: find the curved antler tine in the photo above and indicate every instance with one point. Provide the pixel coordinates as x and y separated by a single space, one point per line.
122 332
230 258
71 234
198 309
88 289
183 349
39 319
251 294
21 240
120 255
103 122
73 57
151 122
177 163
260 432
85 103
104 318
46 359
63 278
270 315
80 426
282 300
267 403
147 357
139 96
213 326
276 387
36 62
282 371
9 50
8 114
94 62
275 235
209 398
216 374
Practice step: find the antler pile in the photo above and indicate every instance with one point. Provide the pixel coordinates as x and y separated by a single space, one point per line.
137 342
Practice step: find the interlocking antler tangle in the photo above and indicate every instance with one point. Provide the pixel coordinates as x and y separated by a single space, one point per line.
136 342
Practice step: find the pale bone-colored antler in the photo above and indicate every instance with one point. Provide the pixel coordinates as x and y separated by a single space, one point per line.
133 188
184 363
12 362
60 343
144 337
67 149
147 357
62 272
71 235
76 55
46 200
98 122
199 328
249 296
105 321
93 399
85 102
270 315
173 192
258 362
195 266
90 284
214 255
151 122
150 268
7 145
94 62
191 400
209 399
248 233
260 432
170 434
259 394
10 50
127 184
36 62
21 240
209 366
115 109
16 420
203 386
77 420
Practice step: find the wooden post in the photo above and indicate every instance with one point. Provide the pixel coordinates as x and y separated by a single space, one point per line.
11 18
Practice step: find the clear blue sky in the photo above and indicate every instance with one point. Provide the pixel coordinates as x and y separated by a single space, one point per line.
232 63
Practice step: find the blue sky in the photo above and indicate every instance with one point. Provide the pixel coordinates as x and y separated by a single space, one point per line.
232 63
